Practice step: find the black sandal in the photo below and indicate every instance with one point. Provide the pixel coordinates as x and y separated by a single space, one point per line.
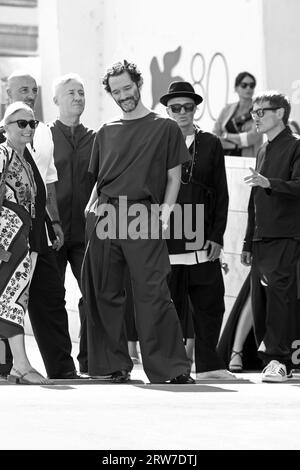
236 367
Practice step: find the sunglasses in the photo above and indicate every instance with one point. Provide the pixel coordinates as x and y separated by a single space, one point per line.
176 108
260 112
247 85
22 123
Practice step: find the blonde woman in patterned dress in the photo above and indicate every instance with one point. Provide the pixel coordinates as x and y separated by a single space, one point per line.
18 191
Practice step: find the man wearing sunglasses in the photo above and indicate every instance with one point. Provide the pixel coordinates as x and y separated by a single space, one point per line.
271 244
196 272
47 312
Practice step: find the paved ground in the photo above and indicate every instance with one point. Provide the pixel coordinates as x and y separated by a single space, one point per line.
242 414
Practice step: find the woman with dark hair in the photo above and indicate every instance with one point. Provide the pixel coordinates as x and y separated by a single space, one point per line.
239 137
234 125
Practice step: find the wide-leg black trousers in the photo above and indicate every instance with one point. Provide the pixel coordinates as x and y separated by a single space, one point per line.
157 323
204 284
49 317
73 253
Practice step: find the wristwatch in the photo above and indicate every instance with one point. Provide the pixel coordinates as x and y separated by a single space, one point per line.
56 222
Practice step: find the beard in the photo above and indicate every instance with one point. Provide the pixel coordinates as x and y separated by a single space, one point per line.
130 103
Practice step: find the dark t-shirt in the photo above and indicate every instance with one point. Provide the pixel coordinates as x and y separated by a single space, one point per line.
131 157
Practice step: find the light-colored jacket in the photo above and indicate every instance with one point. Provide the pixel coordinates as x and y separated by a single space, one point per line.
250 139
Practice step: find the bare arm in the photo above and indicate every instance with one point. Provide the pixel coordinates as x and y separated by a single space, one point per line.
51 206
92 199
51 203
171 192
246 138
219 130
234 138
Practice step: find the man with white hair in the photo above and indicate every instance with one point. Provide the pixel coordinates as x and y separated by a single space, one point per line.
48 316
72 149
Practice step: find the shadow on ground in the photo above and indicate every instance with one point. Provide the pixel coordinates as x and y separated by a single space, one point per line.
183 388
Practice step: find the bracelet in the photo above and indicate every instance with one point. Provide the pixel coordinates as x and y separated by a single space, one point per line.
55 222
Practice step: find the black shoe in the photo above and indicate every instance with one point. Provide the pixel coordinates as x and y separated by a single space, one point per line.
70 375
120 376
183 379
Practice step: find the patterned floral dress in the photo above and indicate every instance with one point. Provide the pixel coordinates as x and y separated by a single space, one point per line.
15 222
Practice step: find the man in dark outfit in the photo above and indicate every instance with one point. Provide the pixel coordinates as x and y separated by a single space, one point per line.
196 270
46 308
72 151
272 239
137 159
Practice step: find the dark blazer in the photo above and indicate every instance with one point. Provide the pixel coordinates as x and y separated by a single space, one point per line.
274 212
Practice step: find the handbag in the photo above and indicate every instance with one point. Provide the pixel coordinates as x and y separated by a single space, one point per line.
4 254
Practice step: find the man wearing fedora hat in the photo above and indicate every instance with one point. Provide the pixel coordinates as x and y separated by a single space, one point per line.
196 277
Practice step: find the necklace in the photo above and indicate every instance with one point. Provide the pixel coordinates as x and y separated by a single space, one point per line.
187 168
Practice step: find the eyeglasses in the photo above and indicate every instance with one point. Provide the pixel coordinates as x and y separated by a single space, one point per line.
176 108
260 112
247 85
22 123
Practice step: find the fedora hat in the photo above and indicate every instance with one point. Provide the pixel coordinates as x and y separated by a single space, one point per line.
180 89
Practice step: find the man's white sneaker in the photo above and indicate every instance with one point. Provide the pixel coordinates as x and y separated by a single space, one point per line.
274 372
221 374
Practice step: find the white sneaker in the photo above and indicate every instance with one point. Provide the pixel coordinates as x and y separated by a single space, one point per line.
222 374
274 372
